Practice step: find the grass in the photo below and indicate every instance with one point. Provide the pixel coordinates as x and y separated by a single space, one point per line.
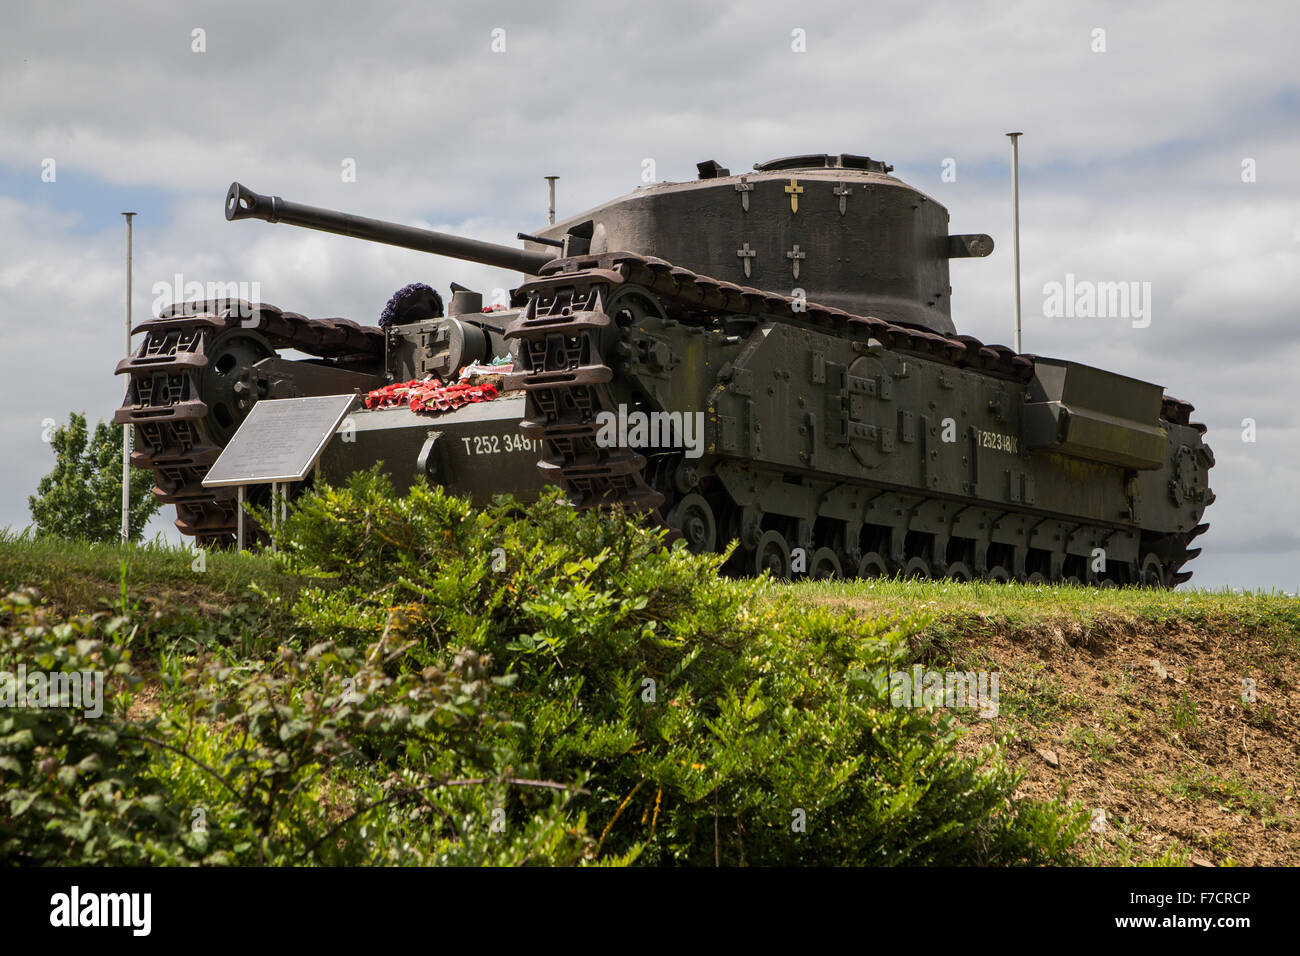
1230 792
1038 699
966 607
69 572
1183 715
1096 744
1118 845
76 575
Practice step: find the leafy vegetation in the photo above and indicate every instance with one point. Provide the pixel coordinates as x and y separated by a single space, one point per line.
81 498
421 682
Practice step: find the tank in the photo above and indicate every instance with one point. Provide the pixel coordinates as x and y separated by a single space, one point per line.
766 357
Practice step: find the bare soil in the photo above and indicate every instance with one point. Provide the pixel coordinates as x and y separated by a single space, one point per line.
1148 726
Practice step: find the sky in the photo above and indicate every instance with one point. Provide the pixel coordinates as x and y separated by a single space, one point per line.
1160 146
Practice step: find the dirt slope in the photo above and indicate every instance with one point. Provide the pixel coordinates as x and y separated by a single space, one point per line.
1143 719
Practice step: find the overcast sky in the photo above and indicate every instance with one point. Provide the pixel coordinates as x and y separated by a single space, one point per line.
1132 169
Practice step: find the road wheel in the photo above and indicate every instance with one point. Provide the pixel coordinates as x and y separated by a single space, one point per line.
917 568
959 571
825 564
872 566
1153 572
694 519
772 554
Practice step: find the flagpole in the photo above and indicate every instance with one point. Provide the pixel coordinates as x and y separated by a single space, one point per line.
126 429
1015 224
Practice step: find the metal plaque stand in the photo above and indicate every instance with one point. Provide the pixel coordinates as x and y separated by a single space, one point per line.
279 442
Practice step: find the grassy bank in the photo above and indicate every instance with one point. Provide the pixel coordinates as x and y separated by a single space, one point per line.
412 681
1130 703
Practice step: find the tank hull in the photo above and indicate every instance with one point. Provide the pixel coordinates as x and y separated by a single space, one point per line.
477 450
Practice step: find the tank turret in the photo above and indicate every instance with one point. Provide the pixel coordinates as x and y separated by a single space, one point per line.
838 227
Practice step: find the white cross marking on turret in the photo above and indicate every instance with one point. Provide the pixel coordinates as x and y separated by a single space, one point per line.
744 187
794 255
746 254
842 191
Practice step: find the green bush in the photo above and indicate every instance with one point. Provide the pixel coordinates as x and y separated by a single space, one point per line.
708 723
73 789
302 758
501 686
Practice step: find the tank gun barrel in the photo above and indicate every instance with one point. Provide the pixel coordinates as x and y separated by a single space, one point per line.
243 203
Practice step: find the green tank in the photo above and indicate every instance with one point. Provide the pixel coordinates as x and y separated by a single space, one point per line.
766 357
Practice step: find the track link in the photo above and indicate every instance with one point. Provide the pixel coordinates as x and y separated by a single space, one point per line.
175 434
566 385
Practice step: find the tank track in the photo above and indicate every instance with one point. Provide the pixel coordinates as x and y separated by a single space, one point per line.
175 435
567 380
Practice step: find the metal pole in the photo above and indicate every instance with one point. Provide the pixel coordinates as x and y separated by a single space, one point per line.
239 520
1015 224
127 430
550 209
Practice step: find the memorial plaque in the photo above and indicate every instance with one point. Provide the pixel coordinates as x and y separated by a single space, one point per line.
280 440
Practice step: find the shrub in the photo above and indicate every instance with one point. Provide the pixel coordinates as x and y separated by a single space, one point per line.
497 686
713 721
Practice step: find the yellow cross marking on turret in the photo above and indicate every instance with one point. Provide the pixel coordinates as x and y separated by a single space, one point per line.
794 189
